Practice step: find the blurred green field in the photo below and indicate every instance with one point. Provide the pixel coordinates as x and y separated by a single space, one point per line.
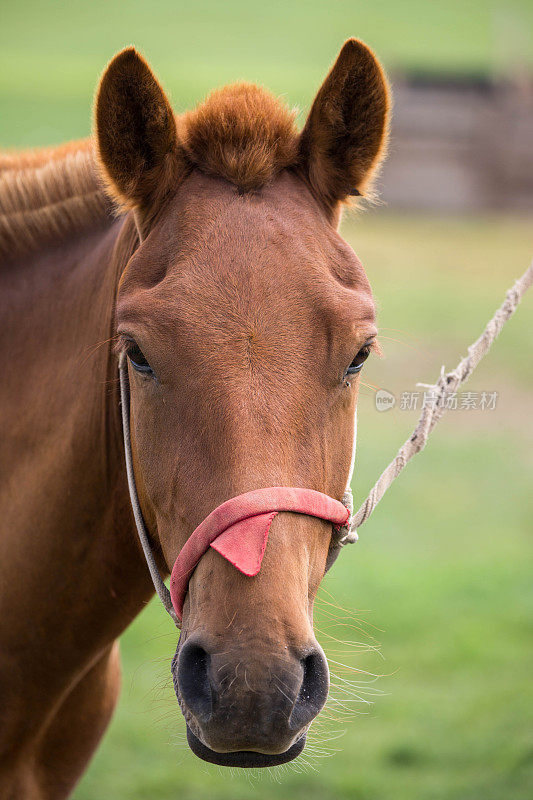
432 696
51 53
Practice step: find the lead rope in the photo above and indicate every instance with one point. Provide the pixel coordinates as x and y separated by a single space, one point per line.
448 382
159 585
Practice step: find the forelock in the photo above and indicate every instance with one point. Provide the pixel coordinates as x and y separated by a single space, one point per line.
241 133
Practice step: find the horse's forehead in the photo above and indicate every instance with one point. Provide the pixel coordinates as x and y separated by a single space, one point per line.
209 219
214 244
210 226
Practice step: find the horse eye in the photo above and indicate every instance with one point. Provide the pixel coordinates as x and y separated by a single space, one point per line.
137 359
357 364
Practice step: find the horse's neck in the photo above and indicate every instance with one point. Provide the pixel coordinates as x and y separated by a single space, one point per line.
73 571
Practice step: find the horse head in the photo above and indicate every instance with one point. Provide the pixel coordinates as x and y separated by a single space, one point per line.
246 319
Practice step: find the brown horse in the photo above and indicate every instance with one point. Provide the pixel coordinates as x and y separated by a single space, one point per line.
242 312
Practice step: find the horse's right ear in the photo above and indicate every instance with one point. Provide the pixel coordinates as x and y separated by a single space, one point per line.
135 134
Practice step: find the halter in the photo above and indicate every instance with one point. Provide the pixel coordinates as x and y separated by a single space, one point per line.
237 529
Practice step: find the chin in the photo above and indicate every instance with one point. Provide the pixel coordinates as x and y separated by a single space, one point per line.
245 759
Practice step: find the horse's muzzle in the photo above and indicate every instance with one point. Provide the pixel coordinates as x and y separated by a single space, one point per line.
250 705
248 710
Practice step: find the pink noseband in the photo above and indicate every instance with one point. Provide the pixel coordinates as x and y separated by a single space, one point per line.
238 530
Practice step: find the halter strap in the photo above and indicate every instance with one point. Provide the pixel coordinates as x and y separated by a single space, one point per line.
157 580
238 528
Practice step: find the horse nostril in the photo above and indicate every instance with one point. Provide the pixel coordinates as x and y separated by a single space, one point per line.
313 691
193 680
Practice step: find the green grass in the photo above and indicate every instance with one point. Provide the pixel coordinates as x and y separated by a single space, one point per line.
442 571
51 53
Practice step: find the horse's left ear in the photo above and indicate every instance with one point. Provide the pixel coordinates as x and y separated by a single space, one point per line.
345 136
135 133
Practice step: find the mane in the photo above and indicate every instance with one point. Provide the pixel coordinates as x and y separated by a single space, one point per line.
46 194
241 133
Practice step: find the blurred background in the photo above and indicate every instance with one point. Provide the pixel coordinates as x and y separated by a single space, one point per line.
427 621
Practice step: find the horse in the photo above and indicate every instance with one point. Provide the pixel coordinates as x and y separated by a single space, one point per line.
203 249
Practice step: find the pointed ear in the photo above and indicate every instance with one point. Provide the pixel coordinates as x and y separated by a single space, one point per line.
345 136
135 134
